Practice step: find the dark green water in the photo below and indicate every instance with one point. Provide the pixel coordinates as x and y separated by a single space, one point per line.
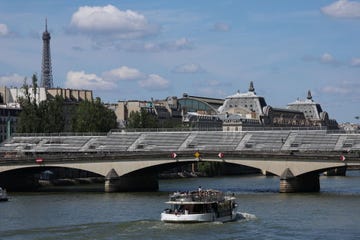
334 213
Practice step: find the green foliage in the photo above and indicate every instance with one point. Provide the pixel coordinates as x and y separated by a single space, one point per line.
93 116
210 168
52 114
171 123
142 119
49 116
43 118
28 121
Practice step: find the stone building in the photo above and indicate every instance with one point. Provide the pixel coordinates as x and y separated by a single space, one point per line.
247 105
313 113
10 105
8 119
247 111
200 112
241 111
200 105
166 110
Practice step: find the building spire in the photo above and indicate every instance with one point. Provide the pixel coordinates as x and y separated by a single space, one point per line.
251 87
309 97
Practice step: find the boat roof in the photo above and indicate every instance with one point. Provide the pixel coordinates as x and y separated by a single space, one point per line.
198 197
197 202
188 202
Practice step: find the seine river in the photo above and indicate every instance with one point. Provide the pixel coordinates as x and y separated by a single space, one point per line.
334 213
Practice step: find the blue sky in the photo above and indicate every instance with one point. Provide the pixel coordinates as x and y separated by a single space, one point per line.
128 49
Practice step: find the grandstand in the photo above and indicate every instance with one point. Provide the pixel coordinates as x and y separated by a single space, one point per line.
113 142
185 141
213 140
269 141
352 142
314 140
166 141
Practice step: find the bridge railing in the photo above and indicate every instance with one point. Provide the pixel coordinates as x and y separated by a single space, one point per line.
59 134
247 129
34 159
165 129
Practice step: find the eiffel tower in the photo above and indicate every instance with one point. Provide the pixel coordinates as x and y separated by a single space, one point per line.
46 71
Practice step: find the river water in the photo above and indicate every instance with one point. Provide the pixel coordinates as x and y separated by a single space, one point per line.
334 213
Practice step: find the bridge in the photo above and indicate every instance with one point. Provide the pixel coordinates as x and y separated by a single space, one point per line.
130 161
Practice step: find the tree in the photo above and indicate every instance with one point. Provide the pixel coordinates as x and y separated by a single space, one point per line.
210 168
51 113
93 116
142 119
34 87
47 116
29 120
134 120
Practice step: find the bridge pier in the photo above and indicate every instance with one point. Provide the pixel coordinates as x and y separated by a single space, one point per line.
131 182
304 183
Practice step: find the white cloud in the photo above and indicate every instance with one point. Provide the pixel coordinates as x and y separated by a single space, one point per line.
349 88
355 62
14 80
175 45
182 43
343 9
327 58
221 27
336 90
81 80
214 83
188 68
123 73
109 20
212 91
3 30
154 82
109 80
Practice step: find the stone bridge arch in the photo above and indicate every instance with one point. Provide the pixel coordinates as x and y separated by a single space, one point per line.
25 178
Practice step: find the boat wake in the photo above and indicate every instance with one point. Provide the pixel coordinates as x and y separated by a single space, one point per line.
245 216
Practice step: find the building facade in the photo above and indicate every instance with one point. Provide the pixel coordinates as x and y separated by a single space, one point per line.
10 104
313 113
167 111
245 111
8 120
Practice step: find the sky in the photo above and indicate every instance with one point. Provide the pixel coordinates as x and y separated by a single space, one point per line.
142 50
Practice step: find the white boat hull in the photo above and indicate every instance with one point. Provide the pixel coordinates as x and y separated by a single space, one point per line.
3 195
194 218
200 206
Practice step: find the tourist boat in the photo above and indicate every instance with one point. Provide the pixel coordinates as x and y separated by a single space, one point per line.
200 206
3 195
